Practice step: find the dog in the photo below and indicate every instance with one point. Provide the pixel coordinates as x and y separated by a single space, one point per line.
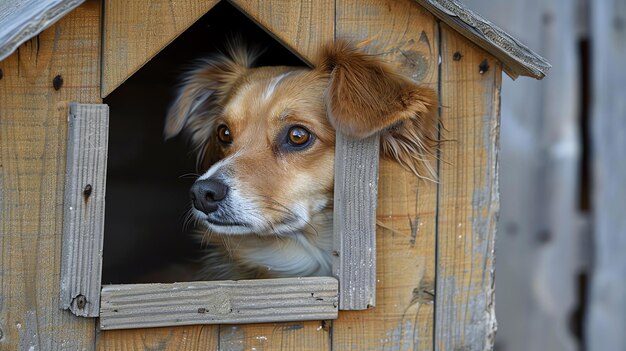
265 140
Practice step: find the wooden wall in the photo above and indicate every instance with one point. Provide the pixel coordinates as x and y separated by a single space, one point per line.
33 131
435 240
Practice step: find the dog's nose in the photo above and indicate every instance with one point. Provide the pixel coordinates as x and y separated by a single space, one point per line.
206 194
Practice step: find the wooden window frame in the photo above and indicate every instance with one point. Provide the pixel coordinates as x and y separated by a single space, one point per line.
124 306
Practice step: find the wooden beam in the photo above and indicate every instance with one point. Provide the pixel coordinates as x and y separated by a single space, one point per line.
135 31
83 215
516 57
33 127
468 196
354 225
243 301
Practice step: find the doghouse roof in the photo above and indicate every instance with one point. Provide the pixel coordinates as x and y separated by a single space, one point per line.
21 20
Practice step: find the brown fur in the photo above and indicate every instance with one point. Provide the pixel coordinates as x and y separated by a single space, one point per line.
286 195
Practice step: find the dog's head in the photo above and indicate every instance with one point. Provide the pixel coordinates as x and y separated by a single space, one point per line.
266 135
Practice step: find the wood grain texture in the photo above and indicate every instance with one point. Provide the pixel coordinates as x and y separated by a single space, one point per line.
405 35
33 126
468 196
21 20
244 301
517 58
354 225
303 26
606 320
83 217
187 338
135 31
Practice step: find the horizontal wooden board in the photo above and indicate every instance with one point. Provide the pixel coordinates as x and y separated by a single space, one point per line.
244 301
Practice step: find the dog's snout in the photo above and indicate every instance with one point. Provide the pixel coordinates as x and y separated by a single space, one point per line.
206 194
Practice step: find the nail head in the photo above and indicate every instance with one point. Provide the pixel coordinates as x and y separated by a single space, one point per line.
57 82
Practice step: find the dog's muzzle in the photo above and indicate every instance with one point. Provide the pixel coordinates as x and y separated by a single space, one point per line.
206 194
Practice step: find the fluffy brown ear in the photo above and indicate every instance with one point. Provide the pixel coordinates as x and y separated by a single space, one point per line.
366 96
197 102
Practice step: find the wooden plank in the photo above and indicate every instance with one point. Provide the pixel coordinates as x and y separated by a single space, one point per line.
354 225
135 31
517 58
243 301
606 320
33 126
538 241
300 336
302 26
405 35
468 196
187 338
21 20
83 217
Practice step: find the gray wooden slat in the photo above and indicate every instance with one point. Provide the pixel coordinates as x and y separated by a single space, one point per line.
216 302
83 219
605 324
354 241
21 20
517 58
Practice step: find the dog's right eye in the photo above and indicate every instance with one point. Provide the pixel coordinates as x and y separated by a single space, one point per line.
223 135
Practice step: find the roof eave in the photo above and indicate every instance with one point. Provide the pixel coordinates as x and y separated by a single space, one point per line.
517 59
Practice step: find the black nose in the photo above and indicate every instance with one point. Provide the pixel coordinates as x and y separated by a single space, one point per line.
206 194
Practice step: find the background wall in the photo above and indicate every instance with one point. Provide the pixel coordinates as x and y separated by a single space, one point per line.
560 282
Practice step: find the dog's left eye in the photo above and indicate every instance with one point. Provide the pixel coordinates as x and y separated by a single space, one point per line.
298 136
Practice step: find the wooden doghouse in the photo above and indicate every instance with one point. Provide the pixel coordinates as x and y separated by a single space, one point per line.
434 242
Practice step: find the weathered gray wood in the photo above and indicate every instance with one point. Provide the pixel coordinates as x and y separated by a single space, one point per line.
354 241
606 323
538 232
468 197
83 217
516 57
244 301
21 20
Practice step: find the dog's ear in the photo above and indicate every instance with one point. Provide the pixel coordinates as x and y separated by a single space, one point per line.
365 96
197 101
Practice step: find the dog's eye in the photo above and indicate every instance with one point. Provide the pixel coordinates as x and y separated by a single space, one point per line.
298 136
223 135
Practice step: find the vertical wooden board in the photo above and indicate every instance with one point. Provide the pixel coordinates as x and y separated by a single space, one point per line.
33 125
188 338
135 31
606 320
83 214
405 35
304 26
354 225
468 196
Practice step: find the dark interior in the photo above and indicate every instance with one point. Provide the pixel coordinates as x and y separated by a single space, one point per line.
148 179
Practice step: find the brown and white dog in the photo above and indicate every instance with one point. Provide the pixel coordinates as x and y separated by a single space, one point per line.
266 138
